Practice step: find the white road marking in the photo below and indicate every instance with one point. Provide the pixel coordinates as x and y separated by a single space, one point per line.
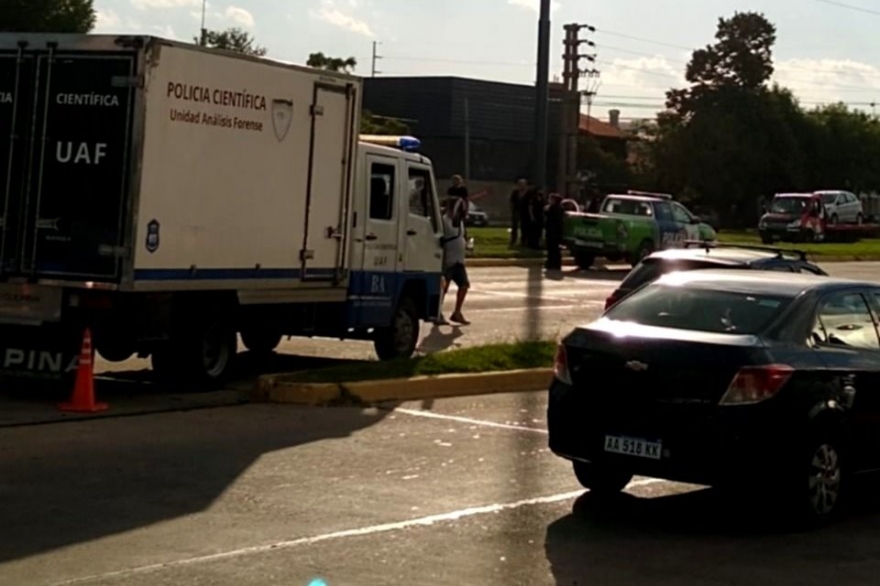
361 532
468 420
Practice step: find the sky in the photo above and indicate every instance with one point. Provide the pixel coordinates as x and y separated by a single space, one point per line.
826 50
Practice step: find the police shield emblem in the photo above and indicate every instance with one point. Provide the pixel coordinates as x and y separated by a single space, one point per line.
282 116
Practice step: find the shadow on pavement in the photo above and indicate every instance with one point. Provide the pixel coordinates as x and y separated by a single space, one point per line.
708 537
64 485
595 274
136 392
439 339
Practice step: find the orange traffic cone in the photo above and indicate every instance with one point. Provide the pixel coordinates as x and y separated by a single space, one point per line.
83 398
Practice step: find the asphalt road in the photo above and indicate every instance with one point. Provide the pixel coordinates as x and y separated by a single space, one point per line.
463 491
504 304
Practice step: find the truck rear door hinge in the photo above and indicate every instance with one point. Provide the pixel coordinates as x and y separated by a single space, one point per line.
317 110
306 254
333 232
135 81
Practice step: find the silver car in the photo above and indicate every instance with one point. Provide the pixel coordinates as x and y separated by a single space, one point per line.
842 207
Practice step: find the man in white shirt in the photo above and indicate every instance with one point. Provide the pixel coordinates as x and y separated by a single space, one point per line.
454 254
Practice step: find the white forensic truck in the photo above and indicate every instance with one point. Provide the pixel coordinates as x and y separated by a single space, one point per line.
169 197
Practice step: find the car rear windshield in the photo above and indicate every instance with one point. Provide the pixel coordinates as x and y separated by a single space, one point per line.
702 310
653 268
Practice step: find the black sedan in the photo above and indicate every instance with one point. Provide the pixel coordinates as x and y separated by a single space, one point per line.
712 256
715 377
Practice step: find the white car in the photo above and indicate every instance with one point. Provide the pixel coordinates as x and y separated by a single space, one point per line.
842 207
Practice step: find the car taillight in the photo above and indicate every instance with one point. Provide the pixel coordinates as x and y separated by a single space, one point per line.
560 365
754 384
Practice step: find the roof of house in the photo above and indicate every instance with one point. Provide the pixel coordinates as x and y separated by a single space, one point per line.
596 127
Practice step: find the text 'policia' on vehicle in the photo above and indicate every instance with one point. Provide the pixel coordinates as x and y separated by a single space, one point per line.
169 197
715 376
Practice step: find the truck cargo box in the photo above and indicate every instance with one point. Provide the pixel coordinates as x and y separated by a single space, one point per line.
136 163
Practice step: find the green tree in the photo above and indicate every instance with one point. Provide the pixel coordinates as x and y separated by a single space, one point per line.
233 39
740 59
47 16
321 61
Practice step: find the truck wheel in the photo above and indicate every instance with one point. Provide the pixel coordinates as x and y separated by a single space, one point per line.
584 260
601 481
646 248
399 340
200 353
260 341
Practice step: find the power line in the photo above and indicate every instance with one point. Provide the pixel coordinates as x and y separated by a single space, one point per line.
850 7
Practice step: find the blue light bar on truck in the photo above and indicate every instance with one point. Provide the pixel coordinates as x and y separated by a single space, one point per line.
409 144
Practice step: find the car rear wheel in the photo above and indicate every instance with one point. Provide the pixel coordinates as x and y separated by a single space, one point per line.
820 482
833 220
601 480
584 260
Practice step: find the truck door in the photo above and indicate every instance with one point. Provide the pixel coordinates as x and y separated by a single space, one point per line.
16 108
67 162
422 250
670 231
330 182
376 285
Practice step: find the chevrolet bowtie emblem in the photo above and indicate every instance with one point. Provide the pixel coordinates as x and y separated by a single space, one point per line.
637 366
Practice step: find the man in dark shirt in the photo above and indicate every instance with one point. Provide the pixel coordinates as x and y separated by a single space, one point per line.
516 202
555 218
460 190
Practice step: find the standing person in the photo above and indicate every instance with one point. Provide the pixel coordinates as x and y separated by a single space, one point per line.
526 215
454 253
555 219
459 190
516 199
537 218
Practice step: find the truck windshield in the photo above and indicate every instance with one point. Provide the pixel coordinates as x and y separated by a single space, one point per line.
788 205
701 310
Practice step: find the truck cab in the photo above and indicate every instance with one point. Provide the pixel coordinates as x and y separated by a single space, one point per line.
396 256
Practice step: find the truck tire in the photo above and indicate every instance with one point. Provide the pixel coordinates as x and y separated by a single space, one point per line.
260 341
200 352
584 260
645 249
399 340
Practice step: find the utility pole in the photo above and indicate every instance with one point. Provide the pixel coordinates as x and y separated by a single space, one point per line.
571 113
203 39
376 57
542 95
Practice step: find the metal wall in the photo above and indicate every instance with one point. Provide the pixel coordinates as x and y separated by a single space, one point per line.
500 118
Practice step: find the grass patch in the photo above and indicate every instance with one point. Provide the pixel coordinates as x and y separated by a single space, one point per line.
495 243
492 358
868 248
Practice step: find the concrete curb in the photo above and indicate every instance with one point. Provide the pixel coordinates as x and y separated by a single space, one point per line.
274 389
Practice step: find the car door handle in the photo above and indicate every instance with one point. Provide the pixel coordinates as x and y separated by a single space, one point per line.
411 232
371 237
